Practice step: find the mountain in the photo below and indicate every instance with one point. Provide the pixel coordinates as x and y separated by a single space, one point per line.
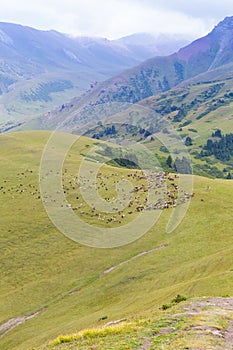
190 90
139 46
207 56
206 59
147 45
42 69
160 73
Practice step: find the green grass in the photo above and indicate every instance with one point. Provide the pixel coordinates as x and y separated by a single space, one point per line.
220 118
41 268
196 324
198 98
16 108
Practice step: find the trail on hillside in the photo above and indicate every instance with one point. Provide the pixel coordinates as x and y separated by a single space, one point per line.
133 258
16 321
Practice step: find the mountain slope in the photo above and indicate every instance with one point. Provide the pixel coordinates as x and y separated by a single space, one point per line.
208 56
42 69
37 64
194 112
199 103
204 323
160 74
147 45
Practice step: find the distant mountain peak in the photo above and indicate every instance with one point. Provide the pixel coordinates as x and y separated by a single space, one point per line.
226 24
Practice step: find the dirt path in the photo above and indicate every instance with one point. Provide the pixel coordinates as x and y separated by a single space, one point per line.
16 321
133 258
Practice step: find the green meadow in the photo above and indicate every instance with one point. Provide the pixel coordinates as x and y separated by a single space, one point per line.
44 271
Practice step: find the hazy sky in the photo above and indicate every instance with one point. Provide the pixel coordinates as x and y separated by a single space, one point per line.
116 18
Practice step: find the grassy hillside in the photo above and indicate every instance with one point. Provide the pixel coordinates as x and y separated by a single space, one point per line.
42 270
41 70
204 323
197 111
194 111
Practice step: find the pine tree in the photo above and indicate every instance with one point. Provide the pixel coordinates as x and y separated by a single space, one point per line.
169 161
188 141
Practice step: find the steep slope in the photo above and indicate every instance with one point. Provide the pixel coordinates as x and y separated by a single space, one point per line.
197 105
41 69
38 68
210 56
194 112
197 112
204 54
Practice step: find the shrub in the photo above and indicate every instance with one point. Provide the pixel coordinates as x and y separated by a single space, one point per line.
179 298
166 306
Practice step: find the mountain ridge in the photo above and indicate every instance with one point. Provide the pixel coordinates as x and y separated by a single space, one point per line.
30 57
160 74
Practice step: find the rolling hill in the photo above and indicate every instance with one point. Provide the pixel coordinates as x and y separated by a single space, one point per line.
51 285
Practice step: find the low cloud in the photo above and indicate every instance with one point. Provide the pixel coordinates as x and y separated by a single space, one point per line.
116 18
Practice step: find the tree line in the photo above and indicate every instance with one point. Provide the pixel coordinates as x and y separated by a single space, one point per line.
222 148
